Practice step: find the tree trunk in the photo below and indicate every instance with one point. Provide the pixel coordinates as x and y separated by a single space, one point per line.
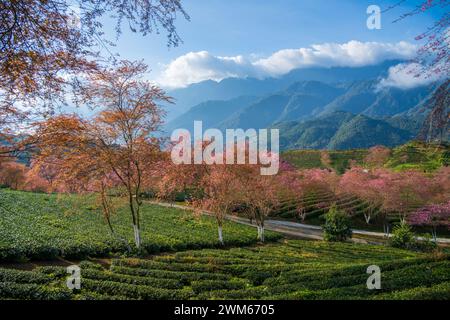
260 228
219 229
367 217
137 236
386 229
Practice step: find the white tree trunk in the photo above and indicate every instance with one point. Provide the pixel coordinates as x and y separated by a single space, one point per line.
260 233
137 236
220 234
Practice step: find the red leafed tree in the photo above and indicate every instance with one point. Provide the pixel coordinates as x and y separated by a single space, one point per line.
43 175
117 148
12 174
47 46
179 178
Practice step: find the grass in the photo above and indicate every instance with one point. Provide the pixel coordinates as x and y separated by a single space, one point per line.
293 269
41 226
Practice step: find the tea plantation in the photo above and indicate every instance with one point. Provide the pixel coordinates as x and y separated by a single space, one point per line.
413 155
292 269
41 226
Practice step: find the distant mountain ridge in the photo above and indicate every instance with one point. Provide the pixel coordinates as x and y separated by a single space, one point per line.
230 88
352 113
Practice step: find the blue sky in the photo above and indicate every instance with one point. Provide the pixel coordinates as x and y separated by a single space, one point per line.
256 29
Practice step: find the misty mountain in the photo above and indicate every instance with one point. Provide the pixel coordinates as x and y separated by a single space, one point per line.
230 88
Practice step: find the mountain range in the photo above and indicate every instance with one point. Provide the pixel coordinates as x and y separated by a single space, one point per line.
332 108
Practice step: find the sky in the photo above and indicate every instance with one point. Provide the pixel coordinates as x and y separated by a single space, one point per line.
270 37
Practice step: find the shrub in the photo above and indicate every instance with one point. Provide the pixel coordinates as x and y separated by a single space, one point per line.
403 237
135 291
211 285
10 290
19 276
337 225
427 244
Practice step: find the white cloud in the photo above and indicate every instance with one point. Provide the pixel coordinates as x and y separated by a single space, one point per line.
407 76
198 66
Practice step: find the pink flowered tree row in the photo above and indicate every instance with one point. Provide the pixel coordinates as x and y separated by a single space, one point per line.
390 193
433 216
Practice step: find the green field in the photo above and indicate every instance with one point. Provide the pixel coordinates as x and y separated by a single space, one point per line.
41 226
292 269
414 155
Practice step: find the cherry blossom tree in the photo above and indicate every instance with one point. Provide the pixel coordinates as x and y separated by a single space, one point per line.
377 156
292 187
433 58
366 186
433 216
221 186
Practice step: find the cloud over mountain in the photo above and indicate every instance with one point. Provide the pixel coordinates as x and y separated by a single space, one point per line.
199 66
407 76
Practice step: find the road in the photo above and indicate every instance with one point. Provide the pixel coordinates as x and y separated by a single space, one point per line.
300 230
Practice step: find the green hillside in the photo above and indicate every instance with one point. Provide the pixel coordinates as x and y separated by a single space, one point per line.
340 131
413 155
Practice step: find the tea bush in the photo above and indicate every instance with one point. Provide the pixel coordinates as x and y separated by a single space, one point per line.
40 227
293 269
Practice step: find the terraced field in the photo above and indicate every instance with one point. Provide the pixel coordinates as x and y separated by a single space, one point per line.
41 226
318 203
289 270
419 156
413 155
